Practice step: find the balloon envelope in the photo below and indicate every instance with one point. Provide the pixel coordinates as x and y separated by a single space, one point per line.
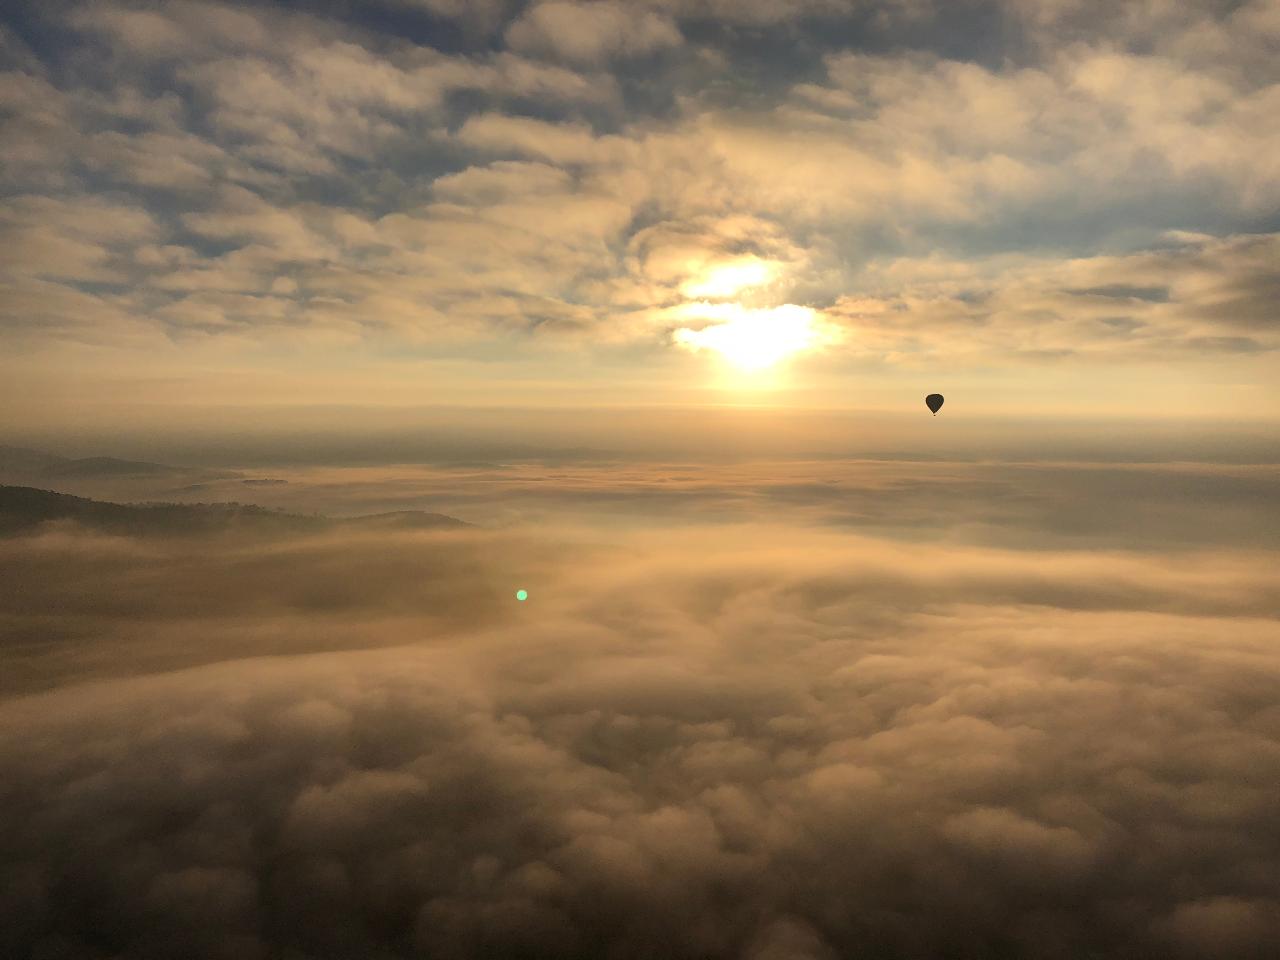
934 402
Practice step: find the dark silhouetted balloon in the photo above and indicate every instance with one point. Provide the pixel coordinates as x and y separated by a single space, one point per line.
934 402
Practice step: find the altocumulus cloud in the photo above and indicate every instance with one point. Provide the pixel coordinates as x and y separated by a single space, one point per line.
296 176
729 742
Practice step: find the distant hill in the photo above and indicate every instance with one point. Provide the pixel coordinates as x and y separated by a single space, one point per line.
25 509
109 467
22 462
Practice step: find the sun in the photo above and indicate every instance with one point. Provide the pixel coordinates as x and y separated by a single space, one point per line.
724 280
753 340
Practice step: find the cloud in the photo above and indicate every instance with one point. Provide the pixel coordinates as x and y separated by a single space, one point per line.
1194 295
176 29
320 180
478 15
47 238
745 741
561 143
591 32
1232 39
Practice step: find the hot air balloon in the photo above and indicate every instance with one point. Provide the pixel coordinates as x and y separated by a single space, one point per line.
934 402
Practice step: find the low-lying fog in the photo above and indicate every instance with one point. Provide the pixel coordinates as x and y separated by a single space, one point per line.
775 709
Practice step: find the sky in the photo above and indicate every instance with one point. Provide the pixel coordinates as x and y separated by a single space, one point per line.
466 491
1062 208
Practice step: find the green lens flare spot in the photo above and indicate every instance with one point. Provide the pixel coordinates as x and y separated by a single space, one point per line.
522 594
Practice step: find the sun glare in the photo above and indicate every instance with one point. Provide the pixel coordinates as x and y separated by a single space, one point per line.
753 340
727 279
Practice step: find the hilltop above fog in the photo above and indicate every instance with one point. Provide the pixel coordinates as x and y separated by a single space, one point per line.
25 509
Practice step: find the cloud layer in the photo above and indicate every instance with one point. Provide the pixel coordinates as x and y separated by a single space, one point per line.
224 181
736 741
